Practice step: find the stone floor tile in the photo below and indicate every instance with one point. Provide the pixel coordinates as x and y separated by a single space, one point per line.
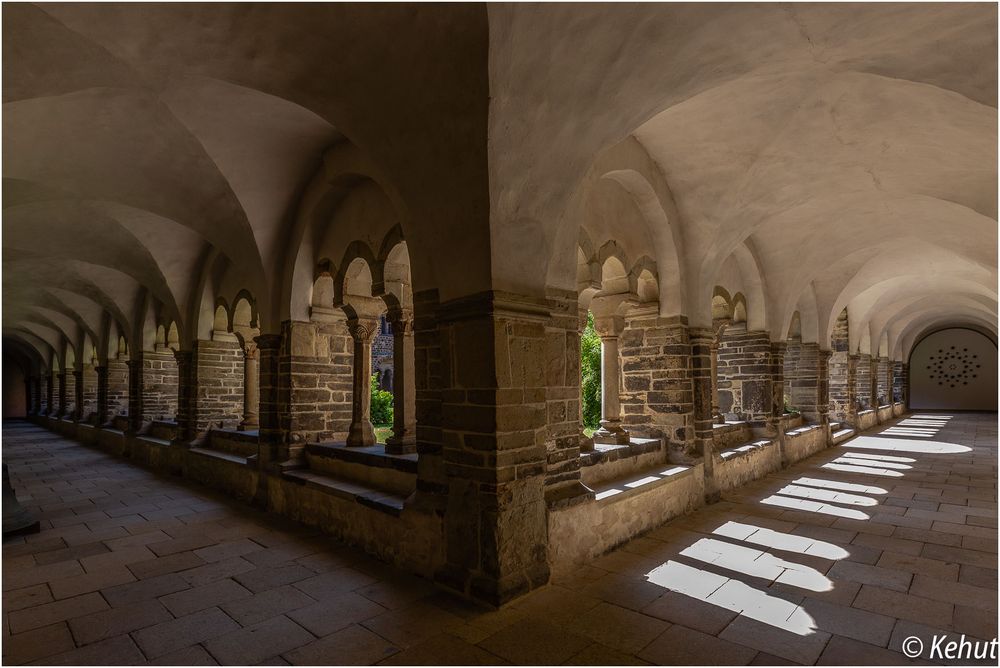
57 611
334 582
332 614
954 592
216 571
41 574
896 580
975 622
941 570
845 651
690 612
117 651
535 642
267 604
789 645
227 550
679 645
411 625
556 604
397 592
850 622
619 628
352 646
195 655
141 590
262 579
627 592
904 606
67 554
19 599
173 563
765 659
198 598
176 634
256 643
443 649
37 644
116 621
88 582
599 655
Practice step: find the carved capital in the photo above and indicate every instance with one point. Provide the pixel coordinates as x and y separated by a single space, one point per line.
250 350
362 330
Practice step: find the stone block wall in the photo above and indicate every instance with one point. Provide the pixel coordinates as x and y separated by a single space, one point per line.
805 385
315 375
884 395
744 371
432 483
219 372
45 385
793 351
494 412
117 387
67 394
863 382
562 399
159 385
898 381
657 396
842 377
89 394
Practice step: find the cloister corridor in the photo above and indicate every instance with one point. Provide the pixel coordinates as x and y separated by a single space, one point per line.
834 560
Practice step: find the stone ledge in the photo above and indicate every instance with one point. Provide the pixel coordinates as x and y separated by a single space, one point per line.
640 482
223 456
841 435
369 456
798 431
390 504
152 440
604 452
745 449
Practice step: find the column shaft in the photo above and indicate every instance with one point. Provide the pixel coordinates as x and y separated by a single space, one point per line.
361 432
404 392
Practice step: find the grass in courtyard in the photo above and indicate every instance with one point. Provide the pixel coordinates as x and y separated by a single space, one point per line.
382 433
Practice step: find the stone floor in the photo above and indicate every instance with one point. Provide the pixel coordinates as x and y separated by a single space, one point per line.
833 561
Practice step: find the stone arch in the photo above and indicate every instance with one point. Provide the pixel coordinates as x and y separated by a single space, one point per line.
221 320
173 336
795 328
644 280
740 311
355 276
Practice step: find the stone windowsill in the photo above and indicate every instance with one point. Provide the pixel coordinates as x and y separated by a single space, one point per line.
617 490
805 428
609 452
728 426
374 455
744 450
866 411
248 436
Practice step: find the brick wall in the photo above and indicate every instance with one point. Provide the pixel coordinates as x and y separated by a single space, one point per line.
117 387
744 374
219 372
562 381
884 387
315 370
159 385
428 379
793 352
898 381
863 382
804 385
89 380
657 397
842 378
68 394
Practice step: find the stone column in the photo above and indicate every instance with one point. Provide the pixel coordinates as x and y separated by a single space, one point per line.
777 362
362 326
273 448
404 391
77 413
823 391
187 390
906 386
873 371
717 416
701 382
852 388
135 392
609 324
49 393
61 411
586 442
102 395
251 387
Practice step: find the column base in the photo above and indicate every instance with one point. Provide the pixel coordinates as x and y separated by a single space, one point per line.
611 434
361 435
400 446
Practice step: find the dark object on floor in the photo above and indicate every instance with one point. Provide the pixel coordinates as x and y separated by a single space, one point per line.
16 520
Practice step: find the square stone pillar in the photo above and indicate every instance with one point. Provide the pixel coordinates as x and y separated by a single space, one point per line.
905 383
792 371
493 431
564 434
862 381
213 375
102 416
118 395
61 395
136 394
656 374
823 391
897 381
159 384
804 383
77 413
745 374
703 444
88 394
47 393
187 390
777 361
273 446
431 494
